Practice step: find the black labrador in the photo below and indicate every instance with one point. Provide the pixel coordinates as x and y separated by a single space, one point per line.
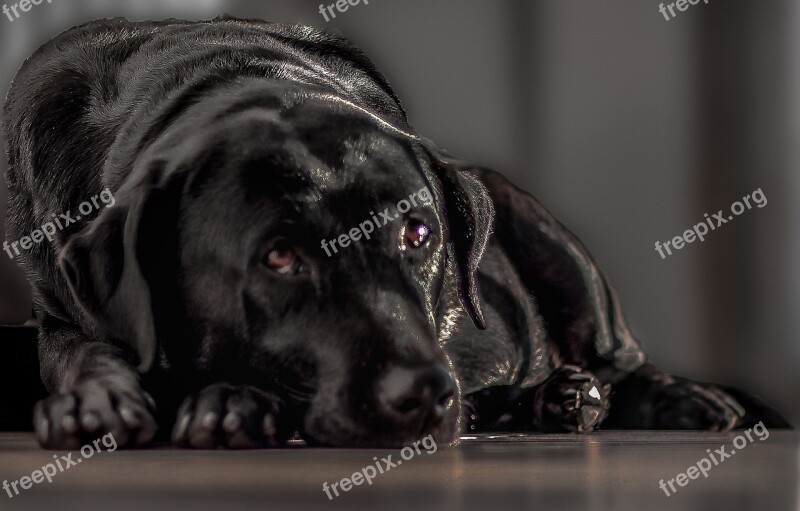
234 294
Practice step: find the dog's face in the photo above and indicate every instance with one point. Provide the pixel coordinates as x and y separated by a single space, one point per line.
313 246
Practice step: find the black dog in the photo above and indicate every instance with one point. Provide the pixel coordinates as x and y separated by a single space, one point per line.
241 155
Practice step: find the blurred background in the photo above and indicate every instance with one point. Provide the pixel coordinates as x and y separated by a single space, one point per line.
627 126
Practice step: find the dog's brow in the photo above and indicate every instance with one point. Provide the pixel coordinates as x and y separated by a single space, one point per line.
318 173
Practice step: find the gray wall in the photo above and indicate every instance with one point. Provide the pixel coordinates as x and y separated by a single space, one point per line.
628 127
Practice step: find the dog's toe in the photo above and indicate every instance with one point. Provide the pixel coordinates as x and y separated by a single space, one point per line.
56 422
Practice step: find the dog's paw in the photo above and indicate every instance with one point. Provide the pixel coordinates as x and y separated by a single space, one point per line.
94 409
687 405
233 417
571 400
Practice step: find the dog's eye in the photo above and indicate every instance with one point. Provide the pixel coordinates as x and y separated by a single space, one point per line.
415 233
283 259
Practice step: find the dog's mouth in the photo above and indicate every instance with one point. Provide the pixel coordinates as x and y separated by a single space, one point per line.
328 422
444 427
443 431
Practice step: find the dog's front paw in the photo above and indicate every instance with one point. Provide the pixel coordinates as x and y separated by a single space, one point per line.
94 409
233 417
687 405
571 400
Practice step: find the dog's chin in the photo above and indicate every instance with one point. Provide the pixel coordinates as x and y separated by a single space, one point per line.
443 432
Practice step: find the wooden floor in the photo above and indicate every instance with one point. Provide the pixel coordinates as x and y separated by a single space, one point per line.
604 471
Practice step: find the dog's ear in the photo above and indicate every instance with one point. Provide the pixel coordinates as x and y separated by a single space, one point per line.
572 295
105 266
468 211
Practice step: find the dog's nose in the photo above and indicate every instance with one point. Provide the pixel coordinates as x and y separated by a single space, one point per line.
411 396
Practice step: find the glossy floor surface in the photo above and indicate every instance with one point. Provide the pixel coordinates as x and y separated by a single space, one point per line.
603 471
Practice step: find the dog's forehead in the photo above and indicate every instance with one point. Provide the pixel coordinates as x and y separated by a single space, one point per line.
325 158
336 154
369 165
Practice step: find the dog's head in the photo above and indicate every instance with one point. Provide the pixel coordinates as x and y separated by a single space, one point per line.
297 242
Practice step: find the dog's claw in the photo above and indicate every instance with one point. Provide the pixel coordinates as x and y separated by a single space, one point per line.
181 426
210 420
589 415
90 422
43 431
232 423
69 424
129 417
269 426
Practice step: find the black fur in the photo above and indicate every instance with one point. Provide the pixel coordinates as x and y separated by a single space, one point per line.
228 140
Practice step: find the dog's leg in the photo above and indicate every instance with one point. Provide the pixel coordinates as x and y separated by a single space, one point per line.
585 337
94 392
570 400
584 325
232 416
650 399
